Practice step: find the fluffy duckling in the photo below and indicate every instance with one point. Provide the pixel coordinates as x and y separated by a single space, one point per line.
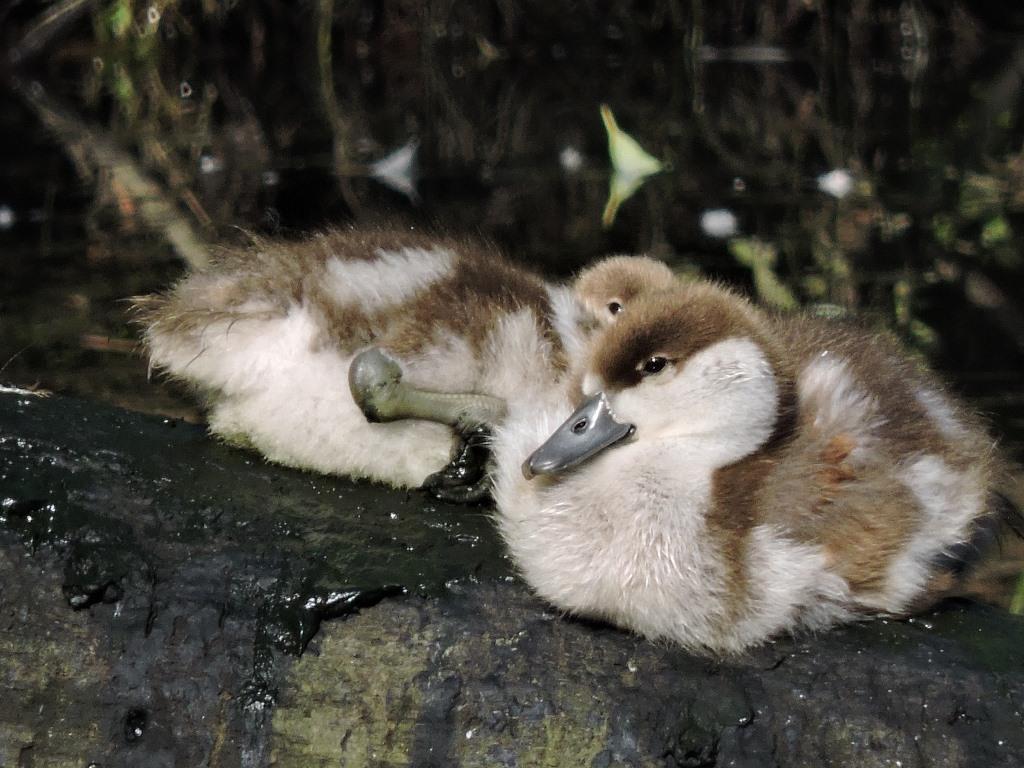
268 335
600 292
607 287
730 476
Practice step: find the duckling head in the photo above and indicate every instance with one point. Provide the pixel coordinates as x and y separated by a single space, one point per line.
692 365
610 285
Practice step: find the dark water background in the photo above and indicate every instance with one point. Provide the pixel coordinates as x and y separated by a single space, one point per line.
268 115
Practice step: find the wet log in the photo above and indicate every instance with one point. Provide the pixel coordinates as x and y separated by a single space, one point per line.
166 600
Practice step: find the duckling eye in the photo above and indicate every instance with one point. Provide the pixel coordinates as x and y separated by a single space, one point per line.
614 307
653 365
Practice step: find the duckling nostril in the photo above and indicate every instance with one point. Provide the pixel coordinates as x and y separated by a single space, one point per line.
579 427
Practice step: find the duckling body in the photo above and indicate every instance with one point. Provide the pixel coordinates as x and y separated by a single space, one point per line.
269 333
776 474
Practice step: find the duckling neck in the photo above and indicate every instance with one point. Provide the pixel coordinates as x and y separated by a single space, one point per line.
707 451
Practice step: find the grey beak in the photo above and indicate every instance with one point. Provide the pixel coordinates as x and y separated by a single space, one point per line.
590 430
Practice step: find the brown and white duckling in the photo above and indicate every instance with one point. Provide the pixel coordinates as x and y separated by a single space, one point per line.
608 286
730 476
599 293
268 335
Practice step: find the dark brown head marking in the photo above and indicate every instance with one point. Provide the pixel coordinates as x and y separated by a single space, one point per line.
673 324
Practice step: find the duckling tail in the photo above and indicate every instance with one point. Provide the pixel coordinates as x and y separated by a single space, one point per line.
990 566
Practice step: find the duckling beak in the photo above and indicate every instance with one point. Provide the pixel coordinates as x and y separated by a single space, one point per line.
591 429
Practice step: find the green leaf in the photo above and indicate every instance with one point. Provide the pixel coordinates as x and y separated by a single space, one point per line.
995 231
1017 604
628 158
980 196
631 165
761 258
944 230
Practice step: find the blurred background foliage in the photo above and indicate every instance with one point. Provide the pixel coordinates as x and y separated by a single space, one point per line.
860 155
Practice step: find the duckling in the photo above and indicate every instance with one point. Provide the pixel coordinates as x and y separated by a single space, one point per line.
732 475
602 290
269 333
607 287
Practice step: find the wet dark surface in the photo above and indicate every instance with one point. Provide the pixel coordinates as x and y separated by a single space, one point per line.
122 497
929 692
152 515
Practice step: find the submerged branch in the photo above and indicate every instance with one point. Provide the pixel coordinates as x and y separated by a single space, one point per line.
94 147
51 23
329 104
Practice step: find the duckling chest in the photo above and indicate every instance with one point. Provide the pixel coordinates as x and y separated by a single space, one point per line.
634 505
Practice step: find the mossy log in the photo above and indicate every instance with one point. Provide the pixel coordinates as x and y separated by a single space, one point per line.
169 601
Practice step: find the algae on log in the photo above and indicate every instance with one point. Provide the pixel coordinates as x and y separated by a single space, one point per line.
155 588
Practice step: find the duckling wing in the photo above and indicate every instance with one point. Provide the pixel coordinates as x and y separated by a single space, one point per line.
891 473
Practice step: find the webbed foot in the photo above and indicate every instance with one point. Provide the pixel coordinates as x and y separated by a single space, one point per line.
375 380
465 480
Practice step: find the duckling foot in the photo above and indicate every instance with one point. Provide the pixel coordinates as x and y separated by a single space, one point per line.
375 380
465 479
